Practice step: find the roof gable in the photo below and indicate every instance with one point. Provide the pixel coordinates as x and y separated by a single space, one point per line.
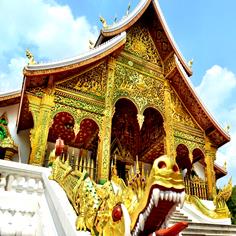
150 11
140 43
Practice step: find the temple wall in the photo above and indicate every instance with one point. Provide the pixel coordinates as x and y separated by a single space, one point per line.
199 170
22 138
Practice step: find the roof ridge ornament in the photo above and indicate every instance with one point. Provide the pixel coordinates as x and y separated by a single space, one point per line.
30 56
104 22
190 63
128 9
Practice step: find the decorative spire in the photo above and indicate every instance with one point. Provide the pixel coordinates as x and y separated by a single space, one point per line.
137 166
30 56
104 23
140 119
190 63
91 44
227 128
225 166
128 9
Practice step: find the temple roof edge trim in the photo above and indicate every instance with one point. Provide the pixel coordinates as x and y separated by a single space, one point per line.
129 20
107 46
199 102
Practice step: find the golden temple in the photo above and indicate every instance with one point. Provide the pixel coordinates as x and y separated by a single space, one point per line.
128 97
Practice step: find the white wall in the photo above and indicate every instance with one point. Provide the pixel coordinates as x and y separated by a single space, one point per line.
22 138
200 170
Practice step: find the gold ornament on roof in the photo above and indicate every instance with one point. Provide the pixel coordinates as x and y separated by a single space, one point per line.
30 56
91 44
128 9
104 23
225 165
190 63
227 128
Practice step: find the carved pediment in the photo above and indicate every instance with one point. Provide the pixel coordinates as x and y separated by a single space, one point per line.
140 43
180 113
91 82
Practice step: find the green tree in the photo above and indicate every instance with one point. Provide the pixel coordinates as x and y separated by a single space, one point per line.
231 203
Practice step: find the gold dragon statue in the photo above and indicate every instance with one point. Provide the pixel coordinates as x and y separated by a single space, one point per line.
142 207
221 210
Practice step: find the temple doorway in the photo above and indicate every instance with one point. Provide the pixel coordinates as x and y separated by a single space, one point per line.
131 140
125 136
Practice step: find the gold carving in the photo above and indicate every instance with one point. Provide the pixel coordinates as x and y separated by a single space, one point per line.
169 64
189 140
144 90
168 122
140 119
179 112
41 110
6 142
199 205
30 56
140 43
92 82
104 143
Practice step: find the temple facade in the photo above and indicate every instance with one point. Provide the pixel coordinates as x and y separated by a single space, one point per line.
128 99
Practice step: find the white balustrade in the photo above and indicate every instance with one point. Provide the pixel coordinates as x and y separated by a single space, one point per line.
33 205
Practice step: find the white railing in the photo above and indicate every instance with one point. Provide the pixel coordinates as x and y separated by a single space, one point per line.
31 204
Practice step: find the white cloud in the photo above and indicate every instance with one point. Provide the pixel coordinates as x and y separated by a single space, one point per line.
216 87
50 30
11 79
217 90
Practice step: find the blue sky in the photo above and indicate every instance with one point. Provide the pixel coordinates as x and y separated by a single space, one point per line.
55 29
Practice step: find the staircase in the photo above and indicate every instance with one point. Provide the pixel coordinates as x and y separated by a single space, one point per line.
201 229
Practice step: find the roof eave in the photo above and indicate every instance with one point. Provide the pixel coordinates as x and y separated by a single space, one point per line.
170 37
200 103
84 59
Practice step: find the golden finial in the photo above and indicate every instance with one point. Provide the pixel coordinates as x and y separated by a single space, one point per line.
128 9
137 165
91 44
30 56
190 63
131 172
104 23
227 128
225 165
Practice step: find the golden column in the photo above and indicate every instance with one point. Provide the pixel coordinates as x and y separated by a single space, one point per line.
210 156
105 132
168 122
41 110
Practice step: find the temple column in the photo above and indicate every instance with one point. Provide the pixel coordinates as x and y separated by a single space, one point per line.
105 132
168 122
210 156
41 110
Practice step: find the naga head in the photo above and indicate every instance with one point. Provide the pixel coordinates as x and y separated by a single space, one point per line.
162 192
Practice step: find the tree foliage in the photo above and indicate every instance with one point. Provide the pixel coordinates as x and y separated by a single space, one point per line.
231 203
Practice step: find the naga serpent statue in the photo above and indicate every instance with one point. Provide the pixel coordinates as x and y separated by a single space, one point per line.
142 207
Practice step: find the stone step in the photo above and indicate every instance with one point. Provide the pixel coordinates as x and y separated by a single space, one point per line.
178 215
172 222
200 234
209 229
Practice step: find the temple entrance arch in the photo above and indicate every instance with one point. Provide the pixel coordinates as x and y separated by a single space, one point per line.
125 135
199 163
80 147
131 140
182 157
152 136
